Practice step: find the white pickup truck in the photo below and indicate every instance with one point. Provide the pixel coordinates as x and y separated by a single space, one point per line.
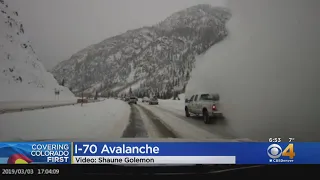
205 104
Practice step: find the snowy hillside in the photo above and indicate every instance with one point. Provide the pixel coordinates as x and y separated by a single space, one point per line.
22 76
267 69
155 59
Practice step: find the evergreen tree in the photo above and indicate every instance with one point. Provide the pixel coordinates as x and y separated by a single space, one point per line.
96 96
187 76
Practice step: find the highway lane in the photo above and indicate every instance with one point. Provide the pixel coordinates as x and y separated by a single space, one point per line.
219 127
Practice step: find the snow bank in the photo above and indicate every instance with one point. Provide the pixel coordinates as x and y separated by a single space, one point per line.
102 120
173 104
22 75
267 70
181 97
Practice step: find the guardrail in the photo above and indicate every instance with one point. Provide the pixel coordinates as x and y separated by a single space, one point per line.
46 106
30 108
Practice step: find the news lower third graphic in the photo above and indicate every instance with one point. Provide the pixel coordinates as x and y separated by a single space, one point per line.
148 153
35 153
159 153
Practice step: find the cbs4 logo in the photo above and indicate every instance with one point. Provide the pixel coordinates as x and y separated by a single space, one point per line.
275 151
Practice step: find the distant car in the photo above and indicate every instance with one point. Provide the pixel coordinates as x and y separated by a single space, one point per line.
133 100
145 99
153 100
205 104
126 99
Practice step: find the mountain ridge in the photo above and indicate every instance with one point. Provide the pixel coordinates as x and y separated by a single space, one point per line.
151 59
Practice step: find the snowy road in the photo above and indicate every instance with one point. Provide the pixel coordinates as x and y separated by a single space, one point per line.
143 123
167 120
107 120
191 128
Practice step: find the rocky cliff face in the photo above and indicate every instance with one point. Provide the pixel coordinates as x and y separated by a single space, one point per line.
22 75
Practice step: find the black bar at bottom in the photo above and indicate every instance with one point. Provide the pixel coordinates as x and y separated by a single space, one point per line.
77 169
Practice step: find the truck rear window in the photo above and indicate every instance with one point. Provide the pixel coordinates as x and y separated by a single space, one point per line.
209 97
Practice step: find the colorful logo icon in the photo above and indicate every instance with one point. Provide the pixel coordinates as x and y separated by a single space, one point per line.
19 159
14 155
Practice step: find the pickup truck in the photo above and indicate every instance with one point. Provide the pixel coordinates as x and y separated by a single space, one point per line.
205 104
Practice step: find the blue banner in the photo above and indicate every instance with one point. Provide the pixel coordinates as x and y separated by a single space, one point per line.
35 153
245 152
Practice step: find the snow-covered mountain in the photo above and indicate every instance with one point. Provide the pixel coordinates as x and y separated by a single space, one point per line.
22 76
155 59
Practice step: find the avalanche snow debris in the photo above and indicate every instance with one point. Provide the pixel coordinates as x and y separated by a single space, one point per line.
267 71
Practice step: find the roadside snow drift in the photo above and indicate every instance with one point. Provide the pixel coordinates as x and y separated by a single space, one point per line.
173 104
103 120
22 75
267 69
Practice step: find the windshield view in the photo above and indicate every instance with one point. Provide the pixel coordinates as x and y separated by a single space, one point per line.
169 70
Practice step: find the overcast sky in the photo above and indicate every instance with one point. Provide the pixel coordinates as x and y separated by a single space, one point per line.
60 28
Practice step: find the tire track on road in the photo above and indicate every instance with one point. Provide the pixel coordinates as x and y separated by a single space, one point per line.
163 129
135 128
150 127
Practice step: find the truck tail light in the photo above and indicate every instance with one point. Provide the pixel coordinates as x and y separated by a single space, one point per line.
214 108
